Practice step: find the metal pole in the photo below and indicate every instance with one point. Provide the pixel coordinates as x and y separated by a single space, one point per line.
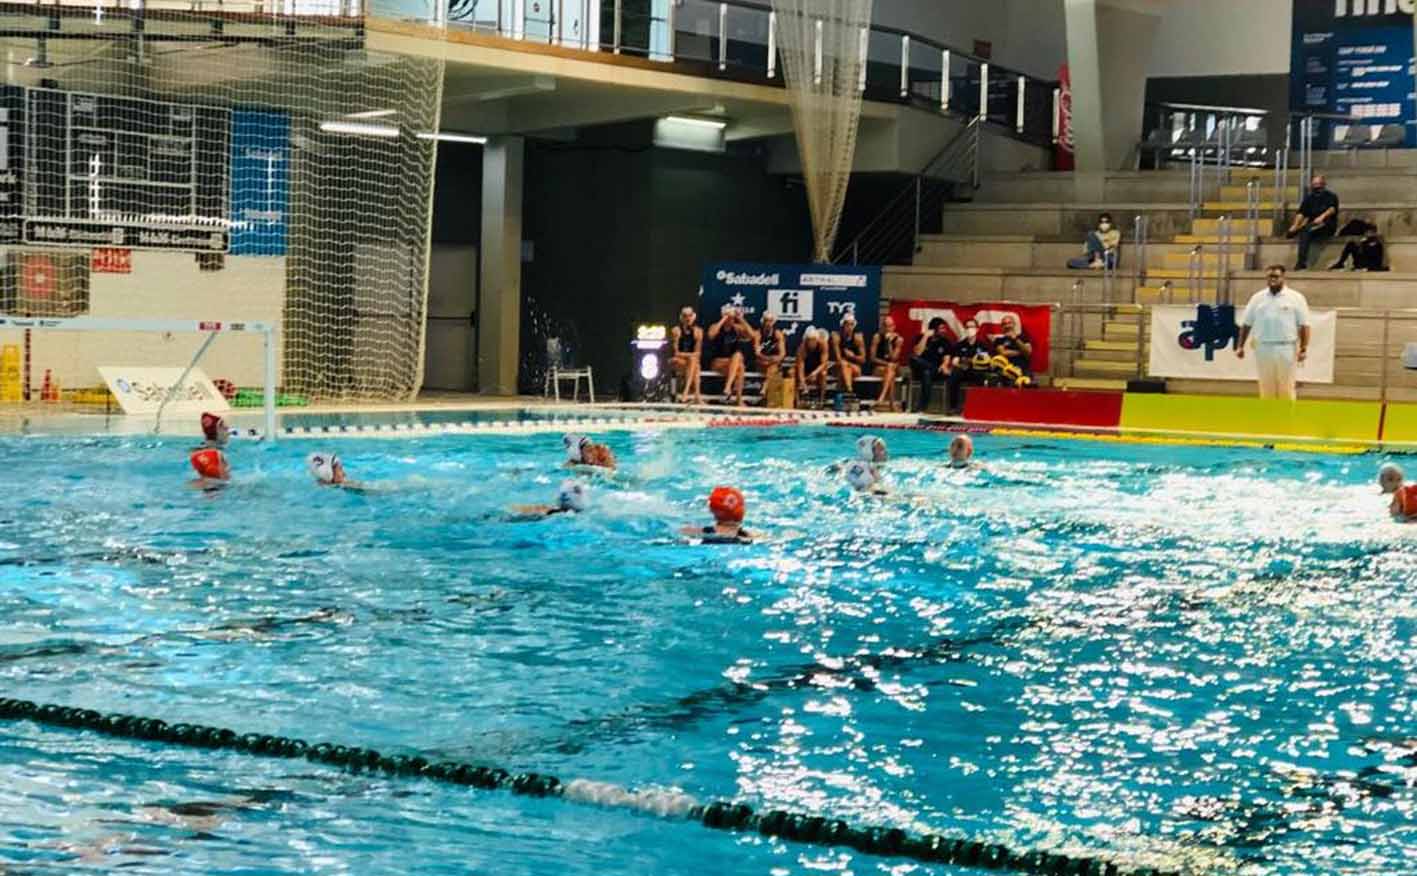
863 49
1223 283
1387 326
269 401
817 56
722 37
1057 113
1142 325
945 81
974 158
772 44
916 245
1022 89
671 44
983 91
905 65
619 19
1193 272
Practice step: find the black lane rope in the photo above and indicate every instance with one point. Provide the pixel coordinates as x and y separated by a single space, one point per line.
718 815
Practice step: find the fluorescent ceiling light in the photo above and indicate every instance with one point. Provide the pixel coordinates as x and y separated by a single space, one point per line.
359 129
451 137
691 120
372 114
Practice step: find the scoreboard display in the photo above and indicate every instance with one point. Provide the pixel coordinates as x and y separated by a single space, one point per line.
89 170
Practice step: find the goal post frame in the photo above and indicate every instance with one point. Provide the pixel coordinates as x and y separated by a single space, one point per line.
193 326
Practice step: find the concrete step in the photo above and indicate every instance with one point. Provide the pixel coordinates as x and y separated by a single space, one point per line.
1095 384
1178 294
1121 331
1209 272
1110 351
1236 209
1209 261
1241 192
1238 226
1094 367
1234 242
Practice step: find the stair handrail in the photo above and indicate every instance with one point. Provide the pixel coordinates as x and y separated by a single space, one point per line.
1222 285
1252 225
886 229
1141 232
1193 271
1281 181
1196 181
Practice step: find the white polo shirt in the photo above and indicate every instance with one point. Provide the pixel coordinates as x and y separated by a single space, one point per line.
1275 317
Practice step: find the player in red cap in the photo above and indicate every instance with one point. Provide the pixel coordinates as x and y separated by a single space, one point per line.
728 508
215 431
213 472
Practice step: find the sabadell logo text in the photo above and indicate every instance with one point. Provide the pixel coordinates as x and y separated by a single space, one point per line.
733 279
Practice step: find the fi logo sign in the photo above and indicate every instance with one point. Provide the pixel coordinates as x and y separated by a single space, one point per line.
790 305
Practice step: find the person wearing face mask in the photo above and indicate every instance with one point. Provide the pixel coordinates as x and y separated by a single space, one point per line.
1100 249
1317 219
969 365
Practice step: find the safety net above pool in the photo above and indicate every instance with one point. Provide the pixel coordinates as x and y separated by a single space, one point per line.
1066 657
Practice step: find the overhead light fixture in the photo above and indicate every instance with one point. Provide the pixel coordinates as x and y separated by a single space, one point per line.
359 129
372 114
694 120
451 137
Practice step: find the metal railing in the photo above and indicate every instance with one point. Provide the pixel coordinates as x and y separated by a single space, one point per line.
1141 241
738 39
894 234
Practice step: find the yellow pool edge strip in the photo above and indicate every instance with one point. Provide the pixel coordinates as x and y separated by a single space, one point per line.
1321 419
1194 440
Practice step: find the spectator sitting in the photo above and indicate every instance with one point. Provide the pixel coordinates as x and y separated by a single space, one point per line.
1366 252
885 359
1014 344
687 342
849 353
1317 219
932 360
771 346
971 363
728 338
1100 249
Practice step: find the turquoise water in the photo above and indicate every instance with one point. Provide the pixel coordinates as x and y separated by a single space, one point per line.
1199 657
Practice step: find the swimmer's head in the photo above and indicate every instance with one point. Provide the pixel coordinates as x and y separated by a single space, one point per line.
871 448
1390 477
861 475
727 505
575 447
574 496
211 464
961 451
214 428
325 468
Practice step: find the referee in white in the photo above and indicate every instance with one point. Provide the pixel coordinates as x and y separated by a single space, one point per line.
1279 319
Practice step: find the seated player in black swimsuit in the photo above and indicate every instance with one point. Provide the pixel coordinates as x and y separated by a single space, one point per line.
727 339
771 346
884 359
813 363
849 353
688 346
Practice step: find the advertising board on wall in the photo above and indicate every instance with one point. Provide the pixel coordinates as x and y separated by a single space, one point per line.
800 296
1354 58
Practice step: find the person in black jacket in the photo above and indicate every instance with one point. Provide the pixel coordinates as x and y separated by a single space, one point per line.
1366 252
1317 219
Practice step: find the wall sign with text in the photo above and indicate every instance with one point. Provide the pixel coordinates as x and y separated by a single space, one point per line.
1354 58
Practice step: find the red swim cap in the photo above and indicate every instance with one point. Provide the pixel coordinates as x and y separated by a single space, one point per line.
210 463
727 505
210 423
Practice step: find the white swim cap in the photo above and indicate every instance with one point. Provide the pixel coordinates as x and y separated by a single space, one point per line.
574 444
861 476
871 448
573 497
1390 477
322 466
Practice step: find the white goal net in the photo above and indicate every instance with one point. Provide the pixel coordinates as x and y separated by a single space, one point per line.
226 163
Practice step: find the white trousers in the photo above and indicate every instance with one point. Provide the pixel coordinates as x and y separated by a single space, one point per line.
1277 367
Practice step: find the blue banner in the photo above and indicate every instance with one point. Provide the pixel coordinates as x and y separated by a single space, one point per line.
1354 58
260 182
800 296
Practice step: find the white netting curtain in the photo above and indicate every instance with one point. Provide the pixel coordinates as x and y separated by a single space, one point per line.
822 58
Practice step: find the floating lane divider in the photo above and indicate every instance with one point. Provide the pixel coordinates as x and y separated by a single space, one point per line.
718 815
658 419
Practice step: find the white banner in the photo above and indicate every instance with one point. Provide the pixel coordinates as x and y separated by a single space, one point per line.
140 390
1198 343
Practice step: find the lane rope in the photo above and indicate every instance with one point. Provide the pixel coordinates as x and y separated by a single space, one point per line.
717 815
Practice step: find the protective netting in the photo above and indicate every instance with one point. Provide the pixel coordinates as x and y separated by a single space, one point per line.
823 55
218 165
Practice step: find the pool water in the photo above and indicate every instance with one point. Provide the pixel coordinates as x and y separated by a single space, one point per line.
1193 657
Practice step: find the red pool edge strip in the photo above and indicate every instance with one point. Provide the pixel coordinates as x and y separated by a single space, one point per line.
1049 407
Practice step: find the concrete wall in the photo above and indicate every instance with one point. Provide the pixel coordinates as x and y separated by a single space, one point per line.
1223 37
167 286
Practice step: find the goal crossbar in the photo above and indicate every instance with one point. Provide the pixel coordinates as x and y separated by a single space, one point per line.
196 326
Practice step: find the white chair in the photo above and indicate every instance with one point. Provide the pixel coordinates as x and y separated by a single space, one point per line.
558 370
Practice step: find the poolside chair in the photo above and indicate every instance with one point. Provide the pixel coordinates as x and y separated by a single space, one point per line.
559 368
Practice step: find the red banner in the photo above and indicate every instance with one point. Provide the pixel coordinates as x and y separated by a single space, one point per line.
1063 124
911 318
108 260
